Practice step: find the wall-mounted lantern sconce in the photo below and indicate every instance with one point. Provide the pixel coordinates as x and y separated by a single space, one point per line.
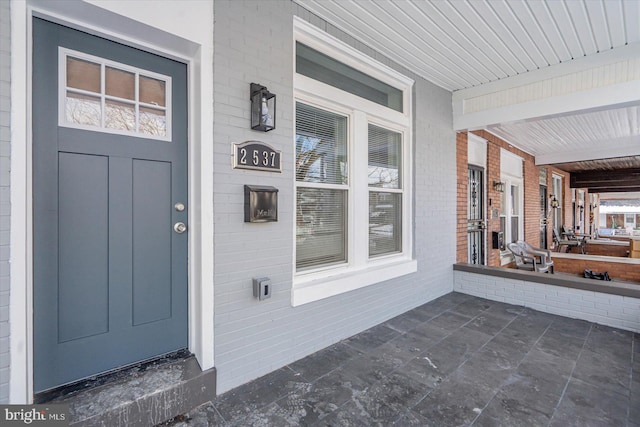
263 108
498 186
554 202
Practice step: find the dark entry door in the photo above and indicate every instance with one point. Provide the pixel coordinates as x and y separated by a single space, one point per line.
476 222
544 211
110 184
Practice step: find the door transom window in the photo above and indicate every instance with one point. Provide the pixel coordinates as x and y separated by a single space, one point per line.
98 94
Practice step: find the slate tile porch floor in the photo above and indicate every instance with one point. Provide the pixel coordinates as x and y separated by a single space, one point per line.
457 360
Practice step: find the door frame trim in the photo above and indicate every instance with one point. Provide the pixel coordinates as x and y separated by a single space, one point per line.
477 156
484 210
199 60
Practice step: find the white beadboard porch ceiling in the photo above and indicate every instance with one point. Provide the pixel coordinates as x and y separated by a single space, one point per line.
459 44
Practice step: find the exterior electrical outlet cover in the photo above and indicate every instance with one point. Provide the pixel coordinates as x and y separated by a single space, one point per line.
262 288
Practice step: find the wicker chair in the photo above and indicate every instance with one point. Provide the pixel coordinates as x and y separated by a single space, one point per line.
526 261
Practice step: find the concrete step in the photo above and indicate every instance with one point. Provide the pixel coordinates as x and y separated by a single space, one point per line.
143 395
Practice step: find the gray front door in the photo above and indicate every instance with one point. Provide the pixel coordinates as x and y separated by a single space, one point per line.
109 175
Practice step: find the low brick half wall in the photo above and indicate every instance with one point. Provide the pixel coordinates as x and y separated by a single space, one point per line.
606 303
627 269
607 249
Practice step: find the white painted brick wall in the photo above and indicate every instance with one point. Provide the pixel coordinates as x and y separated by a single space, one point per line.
5 189
254 43
606 309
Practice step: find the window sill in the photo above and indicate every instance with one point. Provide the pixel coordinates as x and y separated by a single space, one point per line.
307 290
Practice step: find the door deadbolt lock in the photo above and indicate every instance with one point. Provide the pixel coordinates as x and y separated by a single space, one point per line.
179 207
179 227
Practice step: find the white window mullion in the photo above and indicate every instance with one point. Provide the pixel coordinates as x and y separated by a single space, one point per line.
359 216
137 101
168 110
103 101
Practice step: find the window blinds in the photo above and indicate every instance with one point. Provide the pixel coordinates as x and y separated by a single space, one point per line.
385 207
321 193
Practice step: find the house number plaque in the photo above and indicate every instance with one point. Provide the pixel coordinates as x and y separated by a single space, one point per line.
256 155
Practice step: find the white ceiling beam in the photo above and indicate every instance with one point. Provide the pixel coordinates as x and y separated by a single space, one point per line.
606 97
631 195
619 54
619 147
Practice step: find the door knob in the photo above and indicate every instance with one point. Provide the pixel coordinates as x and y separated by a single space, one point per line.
179 227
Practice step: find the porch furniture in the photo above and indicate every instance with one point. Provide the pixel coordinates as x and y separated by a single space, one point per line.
569 234
569 243
539 252
526 261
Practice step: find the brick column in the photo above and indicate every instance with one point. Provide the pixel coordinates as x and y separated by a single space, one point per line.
462 173
531 176
493 200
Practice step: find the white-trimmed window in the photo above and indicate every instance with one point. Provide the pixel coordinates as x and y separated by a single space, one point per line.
511 213
512 199
353 168
107 96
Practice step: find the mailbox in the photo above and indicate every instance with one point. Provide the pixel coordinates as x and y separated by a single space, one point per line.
498 240
260 203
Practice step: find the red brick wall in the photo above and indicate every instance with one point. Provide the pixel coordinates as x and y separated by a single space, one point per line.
531 174
627 272
462 171
531 201
531 218
493 201
607 250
